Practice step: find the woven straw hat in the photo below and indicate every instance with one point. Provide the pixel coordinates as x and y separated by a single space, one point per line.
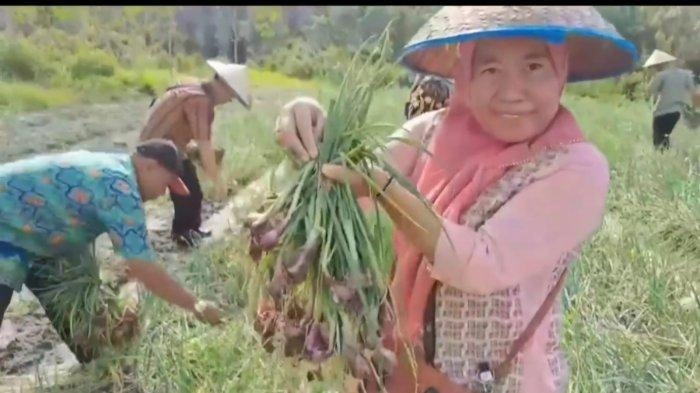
596 48
659 57
236 76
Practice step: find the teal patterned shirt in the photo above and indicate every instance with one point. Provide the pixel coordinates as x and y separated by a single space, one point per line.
51 205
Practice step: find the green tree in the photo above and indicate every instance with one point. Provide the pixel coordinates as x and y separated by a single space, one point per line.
677 31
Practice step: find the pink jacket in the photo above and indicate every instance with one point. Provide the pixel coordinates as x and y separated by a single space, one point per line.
497 275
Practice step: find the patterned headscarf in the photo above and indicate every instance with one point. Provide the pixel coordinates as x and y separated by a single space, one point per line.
428 93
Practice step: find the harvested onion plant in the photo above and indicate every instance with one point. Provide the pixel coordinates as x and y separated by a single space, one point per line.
326 263
98 313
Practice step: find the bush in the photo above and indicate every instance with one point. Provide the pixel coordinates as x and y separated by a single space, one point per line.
95 62
154 81
102 88
633 86
594 89
21 60
187 63
296 59
299 60
266 78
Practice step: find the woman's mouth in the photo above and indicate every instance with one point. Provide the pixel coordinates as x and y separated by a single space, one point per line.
512 115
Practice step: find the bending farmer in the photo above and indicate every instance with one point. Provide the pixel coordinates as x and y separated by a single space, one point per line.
183 115
53 205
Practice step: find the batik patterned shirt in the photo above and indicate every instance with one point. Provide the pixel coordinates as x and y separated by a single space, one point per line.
52 205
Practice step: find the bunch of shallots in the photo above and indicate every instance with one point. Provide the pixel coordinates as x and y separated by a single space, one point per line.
325 262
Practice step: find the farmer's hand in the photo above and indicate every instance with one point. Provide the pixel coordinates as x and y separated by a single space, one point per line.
417 221
412 371
404 376
207 312
355 180
299 127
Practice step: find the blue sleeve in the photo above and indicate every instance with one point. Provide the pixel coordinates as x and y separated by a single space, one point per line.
125 220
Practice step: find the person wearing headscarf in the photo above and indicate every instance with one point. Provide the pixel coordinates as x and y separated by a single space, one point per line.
516 190
428 93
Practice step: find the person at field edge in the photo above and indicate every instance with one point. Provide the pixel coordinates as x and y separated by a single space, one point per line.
184 114
54 206
428 93
671 92
515 187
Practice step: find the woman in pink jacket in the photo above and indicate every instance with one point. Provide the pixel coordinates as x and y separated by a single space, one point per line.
516 187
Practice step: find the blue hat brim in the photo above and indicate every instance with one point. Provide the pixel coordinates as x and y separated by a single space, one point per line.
555 35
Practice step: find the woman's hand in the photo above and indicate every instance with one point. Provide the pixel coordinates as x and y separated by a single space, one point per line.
358 183
299 127
412 373
410 215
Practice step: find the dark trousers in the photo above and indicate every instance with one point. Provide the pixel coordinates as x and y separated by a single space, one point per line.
663 126
188 209
39 281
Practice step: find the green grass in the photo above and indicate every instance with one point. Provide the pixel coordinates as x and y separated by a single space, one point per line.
22 96
53 69
633 322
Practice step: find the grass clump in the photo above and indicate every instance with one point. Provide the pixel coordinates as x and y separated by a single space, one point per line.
93 63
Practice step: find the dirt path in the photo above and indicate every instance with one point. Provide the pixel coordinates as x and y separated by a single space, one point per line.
30 349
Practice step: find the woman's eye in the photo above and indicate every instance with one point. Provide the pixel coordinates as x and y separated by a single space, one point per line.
489 71
534 66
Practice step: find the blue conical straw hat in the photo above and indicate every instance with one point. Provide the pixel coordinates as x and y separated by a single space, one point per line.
596 48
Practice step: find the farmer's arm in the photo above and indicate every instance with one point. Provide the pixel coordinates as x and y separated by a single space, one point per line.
125 222
198 112
404 147
141 266
528 234
129 236
160 283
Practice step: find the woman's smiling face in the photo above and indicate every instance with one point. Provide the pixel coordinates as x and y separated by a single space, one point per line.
515 89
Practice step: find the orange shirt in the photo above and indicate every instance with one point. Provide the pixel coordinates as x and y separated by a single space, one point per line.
182 114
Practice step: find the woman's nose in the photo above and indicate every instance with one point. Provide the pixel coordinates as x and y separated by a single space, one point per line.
512 87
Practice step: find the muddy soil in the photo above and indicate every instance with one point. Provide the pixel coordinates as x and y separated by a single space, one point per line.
30 348
103 127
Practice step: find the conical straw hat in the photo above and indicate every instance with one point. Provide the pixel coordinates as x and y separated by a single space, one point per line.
596 48
659 57
236 76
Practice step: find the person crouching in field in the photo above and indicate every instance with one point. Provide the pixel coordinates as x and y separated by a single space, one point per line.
55 206
516 186
184 114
